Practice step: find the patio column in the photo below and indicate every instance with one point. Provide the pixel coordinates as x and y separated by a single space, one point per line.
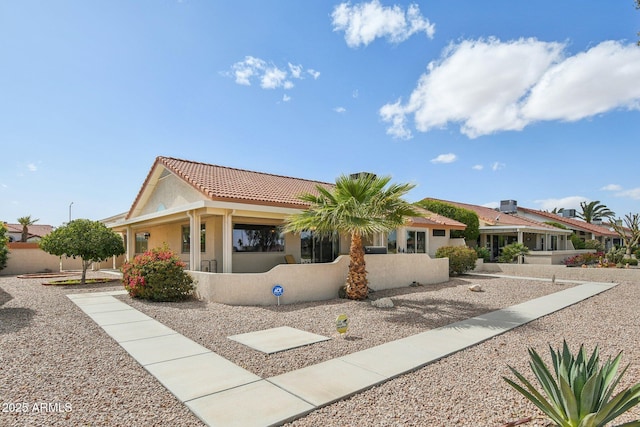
227 242
194 238
131 244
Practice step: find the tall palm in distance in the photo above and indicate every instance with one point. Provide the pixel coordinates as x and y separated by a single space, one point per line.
359 206
594 211
26 222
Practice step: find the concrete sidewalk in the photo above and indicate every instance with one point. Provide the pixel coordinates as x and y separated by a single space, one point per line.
222 393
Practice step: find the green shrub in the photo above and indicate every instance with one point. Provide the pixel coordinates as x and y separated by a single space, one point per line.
594 244
631 261
512 251
577 242
483 253
637 253
580 393
461 258
465 216
4 250
157 275
616 256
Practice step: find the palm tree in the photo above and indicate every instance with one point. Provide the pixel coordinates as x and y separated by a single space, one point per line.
593 211
359 206
26 222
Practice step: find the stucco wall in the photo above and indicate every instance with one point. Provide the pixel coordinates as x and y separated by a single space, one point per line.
170 192
606 275
25 258
316 282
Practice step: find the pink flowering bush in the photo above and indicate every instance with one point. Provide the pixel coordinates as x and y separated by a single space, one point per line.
157 275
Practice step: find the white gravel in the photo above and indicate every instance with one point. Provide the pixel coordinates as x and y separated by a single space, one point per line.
51 353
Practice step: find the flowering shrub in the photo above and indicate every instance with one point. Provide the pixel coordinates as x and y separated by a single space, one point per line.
157 275
585 259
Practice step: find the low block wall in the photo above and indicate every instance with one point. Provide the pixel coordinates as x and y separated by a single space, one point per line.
606 275
25 258
317 282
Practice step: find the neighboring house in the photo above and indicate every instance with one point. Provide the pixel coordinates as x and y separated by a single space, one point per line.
582 229
501 227
235 216
36 232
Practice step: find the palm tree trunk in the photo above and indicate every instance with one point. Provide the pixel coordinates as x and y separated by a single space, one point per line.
357 283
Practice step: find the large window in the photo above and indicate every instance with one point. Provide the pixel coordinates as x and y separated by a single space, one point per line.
317 249
186 238
257 238
416 242
439 233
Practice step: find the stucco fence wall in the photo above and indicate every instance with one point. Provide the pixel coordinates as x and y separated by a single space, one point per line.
606 275
317 282
26 258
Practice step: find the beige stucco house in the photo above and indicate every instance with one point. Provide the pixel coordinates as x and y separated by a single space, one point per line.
506 225
234 215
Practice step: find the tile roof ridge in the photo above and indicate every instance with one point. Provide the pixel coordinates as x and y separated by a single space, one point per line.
163 158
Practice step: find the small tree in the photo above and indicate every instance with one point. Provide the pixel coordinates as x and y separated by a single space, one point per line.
512 252
629 231
26 222
4 250
90 240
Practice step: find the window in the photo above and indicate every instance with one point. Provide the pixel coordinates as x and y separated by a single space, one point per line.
317 249
439 233
416 242
186 238
392 243
257 238
142 242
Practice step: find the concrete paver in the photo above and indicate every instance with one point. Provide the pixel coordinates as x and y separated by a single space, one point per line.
277 339
221 393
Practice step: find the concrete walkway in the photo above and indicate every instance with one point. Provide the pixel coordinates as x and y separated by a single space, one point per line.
221 393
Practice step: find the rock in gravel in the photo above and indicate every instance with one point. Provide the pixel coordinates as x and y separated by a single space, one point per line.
475 288
382 303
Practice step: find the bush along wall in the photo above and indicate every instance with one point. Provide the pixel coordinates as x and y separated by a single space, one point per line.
157 275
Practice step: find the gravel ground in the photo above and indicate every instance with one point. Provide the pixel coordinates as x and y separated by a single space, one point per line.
57 367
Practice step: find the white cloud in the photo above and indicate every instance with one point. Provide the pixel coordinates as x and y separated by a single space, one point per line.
633 193
570 202
268 75
340 110
364 22
32 167
477 167
295 70
612 187
355 94
286 98
487 86
445 158
496 166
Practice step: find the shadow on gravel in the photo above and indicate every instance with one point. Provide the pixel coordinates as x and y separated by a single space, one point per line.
12 319
432 313
4 297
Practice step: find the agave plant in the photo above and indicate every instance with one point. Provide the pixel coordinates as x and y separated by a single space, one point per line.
580 395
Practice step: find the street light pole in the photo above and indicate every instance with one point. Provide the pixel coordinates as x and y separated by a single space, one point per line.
70 211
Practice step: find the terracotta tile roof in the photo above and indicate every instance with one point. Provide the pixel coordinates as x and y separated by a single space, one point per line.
493 217
430 219
237 185
599 230
35 230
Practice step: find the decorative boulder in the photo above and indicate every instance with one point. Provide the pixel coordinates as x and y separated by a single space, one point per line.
475 288
382 303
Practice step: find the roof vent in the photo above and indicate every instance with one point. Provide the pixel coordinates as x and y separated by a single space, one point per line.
569 213
508 206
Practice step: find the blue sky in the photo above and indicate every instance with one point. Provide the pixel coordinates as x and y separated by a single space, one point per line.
475 102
